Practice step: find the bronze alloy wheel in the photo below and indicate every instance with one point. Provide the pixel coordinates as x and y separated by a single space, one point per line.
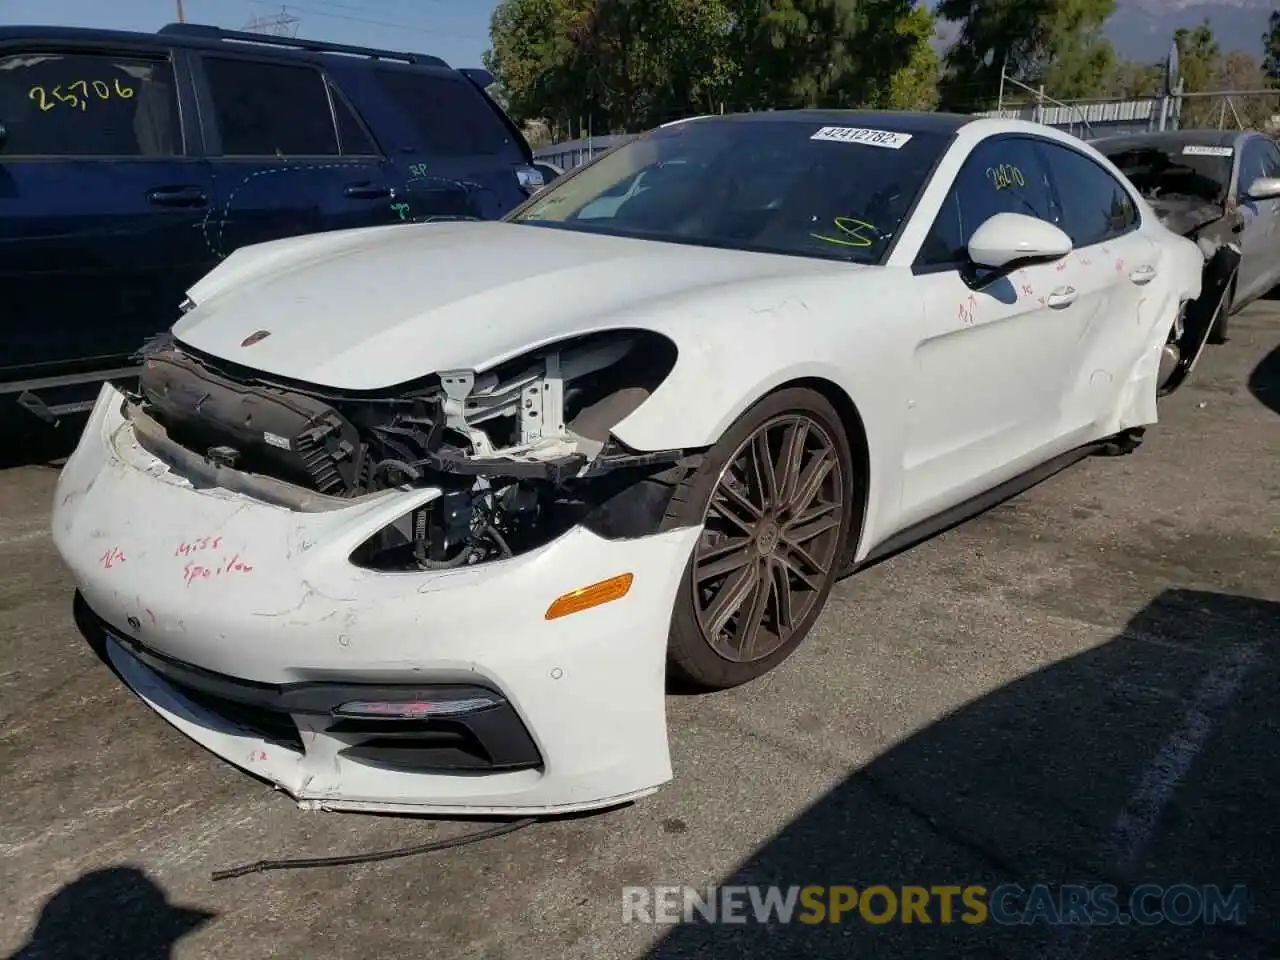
771 538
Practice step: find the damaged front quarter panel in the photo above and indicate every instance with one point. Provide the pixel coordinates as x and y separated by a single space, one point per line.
1215 230
521 453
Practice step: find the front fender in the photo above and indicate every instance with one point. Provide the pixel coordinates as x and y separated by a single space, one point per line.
726 368
694 410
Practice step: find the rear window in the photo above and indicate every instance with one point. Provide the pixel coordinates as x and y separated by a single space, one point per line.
1194 170
450 114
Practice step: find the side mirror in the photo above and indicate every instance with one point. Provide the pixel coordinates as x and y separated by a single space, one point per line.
531 179
1264 188
1008 241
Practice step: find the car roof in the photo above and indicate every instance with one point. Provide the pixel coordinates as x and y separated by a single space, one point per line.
898 121
202 36
1173 139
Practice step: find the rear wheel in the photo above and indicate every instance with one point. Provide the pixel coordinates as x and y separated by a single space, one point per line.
775 498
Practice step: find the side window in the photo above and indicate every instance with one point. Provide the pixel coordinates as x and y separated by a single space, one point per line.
450 114
352 135
270 109
1092 206
1259 158
1250 165
87 105
1002 175
1271 160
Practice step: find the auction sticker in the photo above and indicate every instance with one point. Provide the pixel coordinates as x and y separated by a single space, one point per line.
1194 151
872 138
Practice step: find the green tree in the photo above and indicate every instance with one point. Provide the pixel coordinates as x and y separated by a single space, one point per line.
1131 79
1199 65
1199 57
617 64
1271 48
1080 67
534 60
794 53
1239 71
630 64
1055 42
914 85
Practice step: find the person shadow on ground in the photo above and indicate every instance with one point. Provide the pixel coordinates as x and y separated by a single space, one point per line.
110 913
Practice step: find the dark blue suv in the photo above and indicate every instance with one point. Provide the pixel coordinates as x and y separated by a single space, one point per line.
132 163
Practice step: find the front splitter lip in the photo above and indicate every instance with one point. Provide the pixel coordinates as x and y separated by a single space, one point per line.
318 778
286 769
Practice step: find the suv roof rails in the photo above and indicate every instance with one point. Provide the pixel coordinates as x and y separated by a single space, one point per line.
314 46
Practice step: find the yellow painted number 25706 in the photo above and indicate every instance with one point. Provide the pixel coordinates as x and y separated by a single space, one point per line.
76 95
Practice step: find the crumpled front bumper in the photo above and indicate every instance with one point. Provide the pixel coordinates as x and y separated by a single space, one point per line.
215 583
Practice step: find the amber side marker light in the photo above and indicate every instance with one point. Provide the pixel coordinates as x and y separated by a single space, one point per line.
584 598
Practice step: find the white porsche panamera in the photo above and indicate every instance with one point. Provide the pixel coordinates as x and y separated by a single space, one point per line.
420 518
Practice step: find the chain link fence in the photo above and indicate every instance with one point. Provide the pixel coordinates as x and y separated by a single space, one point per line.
1087 119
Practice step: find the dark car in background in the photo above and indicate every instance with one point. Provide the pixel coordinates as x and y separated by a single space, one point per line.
132 163
1220 188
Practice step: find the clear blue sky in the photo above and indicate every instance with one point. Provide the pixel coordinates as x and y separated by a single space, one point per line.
457 30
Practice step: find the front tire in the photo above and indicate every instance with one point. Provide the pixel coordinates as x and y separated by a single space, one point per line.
775 498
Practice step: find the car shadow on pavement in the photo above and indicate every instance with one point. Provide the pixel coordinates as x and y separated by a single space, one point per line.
111 914
1264 382
37 443
1150 759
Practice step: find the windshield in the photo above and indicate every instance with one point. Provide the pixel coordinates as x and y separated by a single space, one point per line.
1183 170
770 185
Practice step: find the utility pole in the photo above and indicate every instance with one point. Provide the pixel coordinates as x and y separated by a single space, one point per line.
182 15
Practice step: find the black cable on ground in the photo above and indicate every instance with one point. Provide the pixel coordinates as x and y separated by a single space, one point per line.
487 834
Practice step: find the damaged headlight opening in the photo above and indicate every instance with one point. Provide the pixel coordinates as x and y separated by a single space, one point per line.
522 452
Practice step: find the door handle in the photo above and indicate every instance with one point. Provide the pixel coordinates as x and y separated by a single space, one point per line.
1062 297
185 196
1143 274
367 191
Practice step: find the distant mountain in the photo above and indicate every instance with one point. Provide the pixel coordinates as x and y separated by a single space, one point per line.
1143 29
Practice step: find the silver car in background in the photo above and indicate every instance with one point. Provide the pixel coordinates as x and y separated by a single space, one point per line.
1220 188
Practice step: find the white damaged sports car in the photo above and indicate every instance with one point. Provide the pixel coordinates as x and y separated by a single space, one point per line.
421 518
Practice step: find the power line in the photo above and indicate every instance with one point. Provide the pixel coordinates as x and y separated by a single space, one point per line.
388 23
359 8
384 23
282 24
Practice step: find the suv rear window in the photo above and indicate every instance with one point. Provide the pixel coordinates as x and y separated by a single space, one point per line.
453 117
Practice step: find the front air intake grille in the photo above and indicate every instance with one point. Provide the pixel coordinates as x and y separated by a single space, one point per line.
271 725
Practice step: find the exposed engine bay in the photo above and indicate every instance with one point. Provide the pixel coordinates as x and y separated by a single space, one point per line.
522 452
1190 195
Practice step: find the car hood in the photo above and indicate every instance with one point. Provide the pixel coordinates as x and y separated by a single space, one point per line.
373 308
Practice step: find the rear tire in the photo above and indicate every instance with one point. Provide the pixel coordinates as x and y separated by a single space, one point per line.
775 498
